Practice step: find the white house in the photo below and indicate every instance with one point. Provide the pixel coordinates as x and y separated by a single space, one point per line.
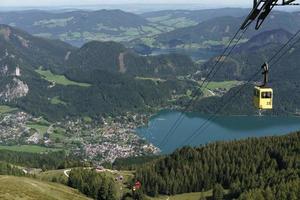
18 71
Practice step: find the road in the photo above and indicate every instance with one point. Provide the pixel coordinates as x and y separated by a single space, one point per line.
66 172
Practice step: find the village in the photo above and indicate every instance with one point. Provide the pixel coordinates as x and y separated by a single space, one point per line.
98 141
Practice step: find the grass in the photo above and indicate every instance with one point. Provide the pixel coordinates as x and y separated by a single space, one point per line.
87 119
56 100
59 79
187 196
41 128
122 187
51 175
155 80
26 188
225 85
27 148
6 109
59 136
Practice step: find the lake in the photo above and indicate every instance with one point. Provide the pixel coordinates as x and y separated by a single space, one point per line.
222 128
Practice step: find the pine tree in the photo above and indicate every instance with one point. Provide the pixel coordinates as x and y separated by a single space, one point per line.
103 191
268 194
112 194
202 196
218 192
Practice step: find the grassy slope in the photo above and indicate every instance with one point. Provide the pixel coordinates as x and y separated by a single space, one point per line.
39 127
6 109
53 174
56 100
26 188
121 186
59 79
226 85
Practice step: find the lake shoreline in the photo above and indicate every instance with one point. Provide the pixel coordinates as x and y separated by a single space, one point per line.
222 128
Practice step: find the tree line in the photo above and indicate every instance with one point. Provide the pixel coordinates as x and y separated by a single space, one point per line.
8 169
46 161
95 185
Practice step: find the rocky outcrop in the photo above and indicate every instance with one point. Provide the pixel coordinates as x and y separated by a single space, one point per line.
14 90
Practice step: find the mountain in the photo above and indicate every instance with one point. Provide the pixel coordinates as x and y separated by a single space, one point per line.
78 27
277 36
33 50
107 79
216 31
42 20
116 58
249 56
28 188
184 18
213 29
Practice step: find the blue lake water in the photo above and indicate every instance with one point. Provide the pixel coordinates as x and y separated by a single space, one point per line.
222 128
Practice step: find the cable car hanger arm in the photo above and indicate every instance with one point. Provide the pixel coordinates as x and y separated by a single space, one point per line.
265 68
261 9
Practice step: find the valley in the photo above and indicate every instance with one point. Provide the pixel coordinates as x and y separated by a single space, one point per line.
110 104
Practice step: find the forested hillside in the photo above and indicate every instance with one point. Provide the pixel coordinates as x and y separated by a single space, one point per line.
58 80
93 184
114 57
243 167
215 31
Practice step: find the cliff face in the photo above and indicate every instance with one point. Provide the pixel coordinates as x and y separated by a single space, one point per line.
14 90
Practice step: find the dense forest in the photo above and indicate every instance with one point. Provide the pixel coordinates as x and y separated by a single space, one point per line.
45 161
95 185
8 169
239 166
132 163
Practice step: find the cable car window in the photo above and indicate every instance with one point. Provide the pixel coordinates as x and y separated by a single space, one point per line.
266 95
256 93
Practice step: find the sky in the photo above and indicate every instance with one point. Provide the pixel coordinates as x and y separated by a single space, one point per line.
28 3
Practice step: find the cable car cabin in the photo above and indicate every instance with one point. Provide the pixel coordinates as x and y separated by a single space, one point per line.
263 98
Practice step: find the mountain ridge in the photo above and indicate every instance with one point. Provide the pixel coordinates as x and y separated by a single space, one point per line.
54 71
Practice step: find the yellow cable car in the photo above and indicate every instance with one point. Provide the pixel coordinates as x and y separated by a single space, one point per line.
263 95
263 98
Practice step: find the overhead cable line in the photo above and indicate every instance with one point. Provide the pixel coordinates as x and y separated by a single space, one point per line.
205 124
207 80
